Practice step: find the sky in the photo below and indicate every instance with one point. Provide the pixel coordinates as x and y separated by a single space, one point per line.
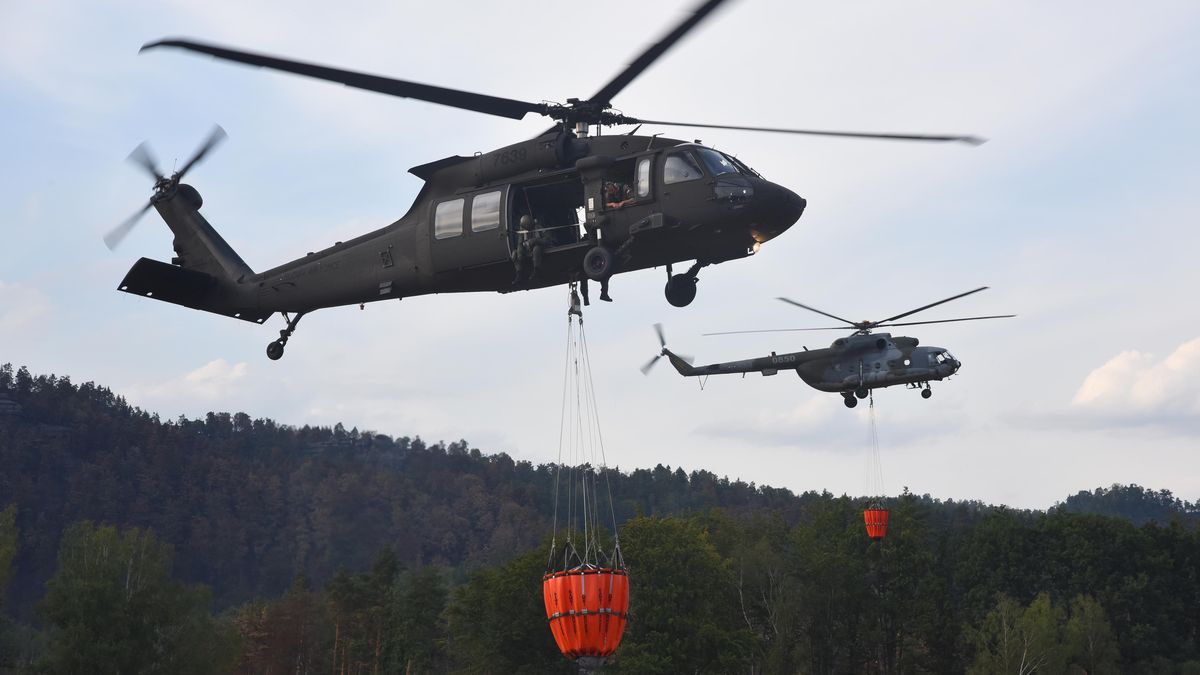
1080 213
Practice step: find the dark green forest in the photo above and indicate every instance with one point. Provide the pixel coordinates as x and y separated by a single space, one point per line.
133 544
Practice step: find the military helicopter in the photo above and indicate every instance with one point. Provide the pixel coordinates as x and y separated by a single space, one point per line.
852 366
559 208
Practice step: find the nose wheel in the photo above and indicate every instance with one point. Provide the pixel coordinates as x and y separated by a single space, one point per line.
926 392
275 349
849 400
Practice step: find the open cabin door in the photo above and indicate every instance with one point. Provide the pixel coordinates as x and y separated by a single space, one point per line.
553 206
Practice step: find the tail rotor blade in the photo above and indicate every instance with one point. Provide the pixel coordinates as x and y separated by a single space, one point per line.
214 138
650 365
117 235
662 340
142 157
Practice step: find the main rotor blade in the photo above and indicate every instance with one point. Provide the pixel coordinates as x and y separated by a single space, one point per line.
643 61
142 157
969 318
771 330
814 309
934 304
117 235
455 98
215 137
972 140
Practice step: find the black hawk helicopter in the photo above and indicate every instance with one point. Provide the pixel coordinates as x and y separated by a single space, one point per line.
559 208
852 365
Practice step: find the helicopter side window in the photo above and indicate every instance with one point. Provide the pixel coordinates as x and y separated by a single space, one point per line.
643 177
448 219
485 211
680 167
716 162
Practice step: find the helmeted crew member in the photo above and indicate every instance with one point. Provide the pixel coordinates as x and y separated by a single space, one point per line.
616 194
530 248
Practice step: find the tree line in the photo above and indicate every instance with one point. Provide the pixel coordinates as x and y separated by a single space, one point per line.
229 544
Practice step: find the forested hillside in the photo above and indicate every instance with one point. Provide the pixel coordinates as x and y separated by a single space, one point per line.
327 549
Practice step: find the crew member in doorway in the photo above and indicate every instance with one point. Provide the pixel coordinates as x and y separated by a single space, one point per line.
616 194
530 249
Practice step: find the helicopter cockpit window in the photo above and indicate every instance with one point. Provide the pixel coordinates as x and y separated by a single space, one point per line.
716 162
448 219
485 211
680 167
643 177
745 168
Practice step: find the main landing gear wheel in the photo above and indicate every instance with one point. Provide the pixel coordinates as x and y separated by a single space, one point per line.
862 392
681 290
275 349
926 392
597 263
849 400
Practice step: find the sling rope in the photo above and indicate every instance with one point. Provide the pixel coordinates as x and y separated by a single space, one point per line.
582 456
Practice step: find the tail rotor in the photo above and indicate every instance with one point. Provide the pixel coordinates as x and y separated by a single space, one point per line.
662 342
142 157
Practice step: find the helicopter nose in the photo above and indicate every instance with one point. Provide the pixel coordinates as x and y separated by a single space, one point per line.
778 209
797 203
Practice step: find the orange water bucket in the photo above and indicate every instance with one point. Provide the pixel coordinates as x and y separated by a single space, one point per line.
587 608
877 522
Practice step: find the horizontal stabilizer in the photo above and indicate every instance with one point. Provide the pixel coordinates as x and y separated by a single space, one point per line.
169 283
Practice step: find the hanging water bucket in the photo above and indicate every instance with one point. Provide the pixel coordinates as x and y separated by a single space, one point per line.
876 518
587 608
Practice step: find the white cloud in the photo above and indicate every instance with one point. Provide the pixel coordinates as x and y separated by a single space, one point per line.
1135 385
214 381
21 308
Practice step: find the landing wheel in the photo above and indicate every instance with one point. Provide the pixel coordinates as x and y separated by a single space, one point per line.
861 392
926 393
275 349
597 263
681 290
849 400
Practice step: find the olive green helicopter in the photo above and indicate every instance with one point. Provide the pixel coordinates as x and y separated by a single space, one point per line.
566 206
853 365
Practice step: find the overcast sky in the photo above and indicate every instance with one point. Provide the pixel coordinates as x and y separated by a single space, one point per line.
1080 213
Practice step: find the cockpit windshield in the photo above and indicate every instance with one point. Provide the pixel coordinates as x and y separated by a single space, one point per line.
745 168
716 162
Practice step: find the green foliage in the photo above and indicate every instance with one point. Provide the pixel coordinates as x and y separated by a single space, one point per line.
8 547
683 613
1134 503
497 621
1020 640
1089 638
1043 638
726 576
113 603
418 623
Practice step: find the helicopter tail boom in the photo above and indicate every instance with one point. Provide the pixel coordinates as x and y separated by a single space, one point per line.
682 365
205 272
